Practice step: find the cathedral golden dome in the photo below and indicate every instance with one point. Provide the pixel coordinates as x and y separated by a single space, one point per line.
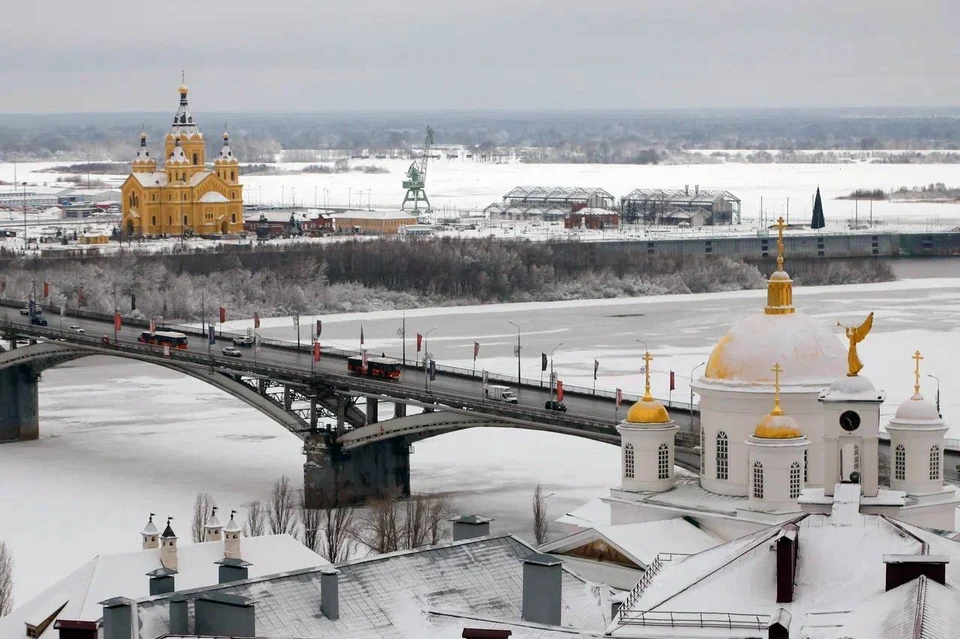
647 410
183 89
776 425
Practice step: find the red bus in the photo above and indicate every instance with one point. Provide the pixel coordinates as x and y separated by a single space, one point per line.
172 339
385 367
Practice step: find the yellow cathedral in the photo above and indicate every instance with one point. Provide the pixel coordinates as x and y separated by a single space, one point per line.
184 197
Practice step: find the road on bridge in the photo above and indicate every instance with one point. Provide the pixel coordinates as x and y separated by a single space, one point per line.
601 409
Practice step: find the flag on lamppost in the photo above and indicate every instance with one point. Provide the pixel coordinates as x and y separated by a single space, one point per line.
46 290
296 318
153 326
596 367
433 370
543 362
256 320
117 322
619 397
80 296
673 384
316 351
419 341
223 315
361 344
363 363
319 327
559 391
476 350
211 335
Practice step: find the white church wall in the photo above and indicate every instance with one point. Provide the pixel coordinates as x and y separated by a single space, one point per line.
646 442
776 457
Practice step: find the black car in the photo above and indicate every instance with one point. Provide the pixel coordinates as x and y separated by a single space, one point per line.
557 406
36 320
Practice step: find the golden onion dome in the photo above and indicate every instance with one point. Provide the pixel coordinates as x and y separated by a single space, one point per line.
777 427
183 89
648 411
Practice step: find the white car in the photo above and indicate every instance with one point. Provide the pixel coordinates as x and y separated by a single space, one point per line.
230 351
76 329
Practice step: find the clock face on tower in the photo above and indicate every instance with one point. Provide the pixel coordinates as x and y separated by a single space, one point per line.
849 420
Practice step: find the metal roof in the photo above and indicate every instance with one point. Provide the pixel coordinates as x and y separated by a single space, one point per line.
681 196
555 193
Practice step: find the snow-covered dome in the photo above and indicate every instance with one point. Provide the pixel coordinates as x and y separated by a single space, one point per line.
177 156
917 411
852 388
810 352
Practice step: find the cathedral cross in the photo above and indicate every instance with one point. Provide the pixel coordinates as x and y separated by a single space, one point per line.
780 226
777 369
647 358
916 372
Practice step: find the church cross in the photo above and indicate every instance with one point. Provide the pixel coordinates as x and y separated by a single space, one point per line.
916 372
183 76
777 369
780 226
647 358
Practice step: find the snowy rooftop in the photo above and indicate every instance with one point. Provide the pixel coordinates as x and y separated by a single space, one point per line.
400 595
213 196
681 196
124 574
554 193
840 567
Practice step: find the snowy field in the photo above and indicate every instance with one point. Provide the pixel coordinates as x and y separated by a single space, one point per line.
119 440
463 184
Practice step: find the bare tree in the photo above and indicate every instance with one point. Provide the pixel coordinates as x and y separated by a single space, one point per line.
282 508
203 505
424 517
380 527
311 520
540 523
339 524
6 580
256 524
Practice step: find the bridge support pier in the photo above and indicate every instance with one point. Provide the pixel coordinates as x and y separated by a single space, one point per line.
331 474
19 404
373 410
287 398
399 409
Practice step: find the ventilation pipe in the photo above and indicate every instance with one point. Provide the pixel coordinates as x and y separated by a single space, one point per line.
117 618
232 570
221 615
179 616
161 581
542 589
905 568
330 593
470 527
786 562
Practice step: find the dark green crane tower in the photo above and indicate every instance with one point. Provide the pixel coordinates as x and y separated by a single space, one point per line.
416 180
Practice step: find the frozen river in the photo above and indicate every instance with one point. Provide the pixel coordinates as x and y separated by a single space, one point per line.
119 440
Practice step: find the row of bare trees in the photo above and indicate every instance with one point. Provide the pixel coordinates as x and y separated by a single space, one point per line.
336 528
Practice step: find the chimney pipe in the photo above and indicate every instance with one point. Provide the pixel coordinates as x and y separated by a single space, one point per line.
222 615
542 589
161 581
686 189
905 568
330 593
117 618
786 562
232 570
179 615
470 527
696 189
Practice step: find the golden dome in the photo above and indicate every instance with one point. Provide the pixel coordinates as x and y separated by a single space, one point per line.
183 89
648 411
777 427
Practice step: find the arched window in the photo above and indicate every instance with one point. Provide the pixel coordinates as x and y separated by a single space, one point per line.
758 480
806 474
194 158
232 178
900 463
153 220
233 218
722 455
628 461
184 220
856 458
184 197
153 197
934 462
663 462
794 480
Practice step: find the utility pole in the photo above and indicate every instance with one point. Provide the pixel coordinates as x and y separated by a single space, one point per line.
24 218
203 315
553 380
519 379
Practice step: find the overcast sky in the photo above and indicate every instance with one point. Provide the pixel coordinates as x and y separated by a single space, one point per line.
333 55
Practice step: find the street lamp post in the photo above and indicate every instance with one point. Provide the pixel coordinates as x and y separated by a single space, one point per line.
553 381
691 391
519 379
426 358
24 218
938 390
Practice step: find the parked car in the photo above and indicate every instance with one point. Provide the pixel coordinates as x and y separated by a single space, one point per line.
76 329
555 405
230 351
245 340
37 320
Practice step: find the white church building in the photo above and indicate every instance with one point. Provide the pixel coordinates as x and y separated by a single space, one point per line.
785 416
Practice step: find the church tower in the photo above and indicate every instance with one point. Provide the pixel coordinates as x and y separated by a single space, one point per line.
231 538
143 163
186 131
916 443
647 443
225 165
776 457
149 535
213 529
168 547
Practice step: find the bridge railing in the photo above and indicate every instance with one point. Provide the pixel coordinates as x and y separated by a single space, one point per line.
389 390
305 348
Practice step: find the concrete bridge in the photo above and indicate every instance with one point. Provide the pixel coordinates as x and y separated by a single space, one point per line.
356 430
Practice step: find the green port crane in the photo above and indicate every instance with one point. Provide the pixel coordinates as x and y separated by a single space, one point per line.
416 181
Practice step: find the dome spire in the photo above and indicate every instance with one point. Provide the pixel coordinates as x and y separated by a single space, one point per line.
779 286
777 425
916 375
647 358
777 369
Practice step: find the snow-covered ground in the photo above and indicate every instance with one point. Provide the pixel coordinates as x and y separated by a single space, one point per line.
119 440
464 184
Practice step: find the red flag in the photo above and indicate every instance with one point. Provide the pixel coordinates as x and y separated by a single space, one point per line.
46 290
419 341
223 315
619 397
543 362
256 320
476 350
363 364
673 384
316 351
153 326
361 344
559 391
80 296
117 324
596 367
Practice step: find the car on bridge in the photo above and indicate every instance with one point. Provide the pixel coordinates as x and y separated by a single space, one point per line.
555 405
76 329
385 367
37 320
230 351
245 340
25 310
500 394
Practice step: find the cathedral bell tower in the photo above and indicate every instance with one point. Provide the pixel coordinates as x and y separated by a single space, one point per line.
186 131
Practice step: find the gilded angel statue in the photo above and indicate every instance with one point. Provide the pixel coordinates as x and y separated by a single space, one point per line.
856 334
